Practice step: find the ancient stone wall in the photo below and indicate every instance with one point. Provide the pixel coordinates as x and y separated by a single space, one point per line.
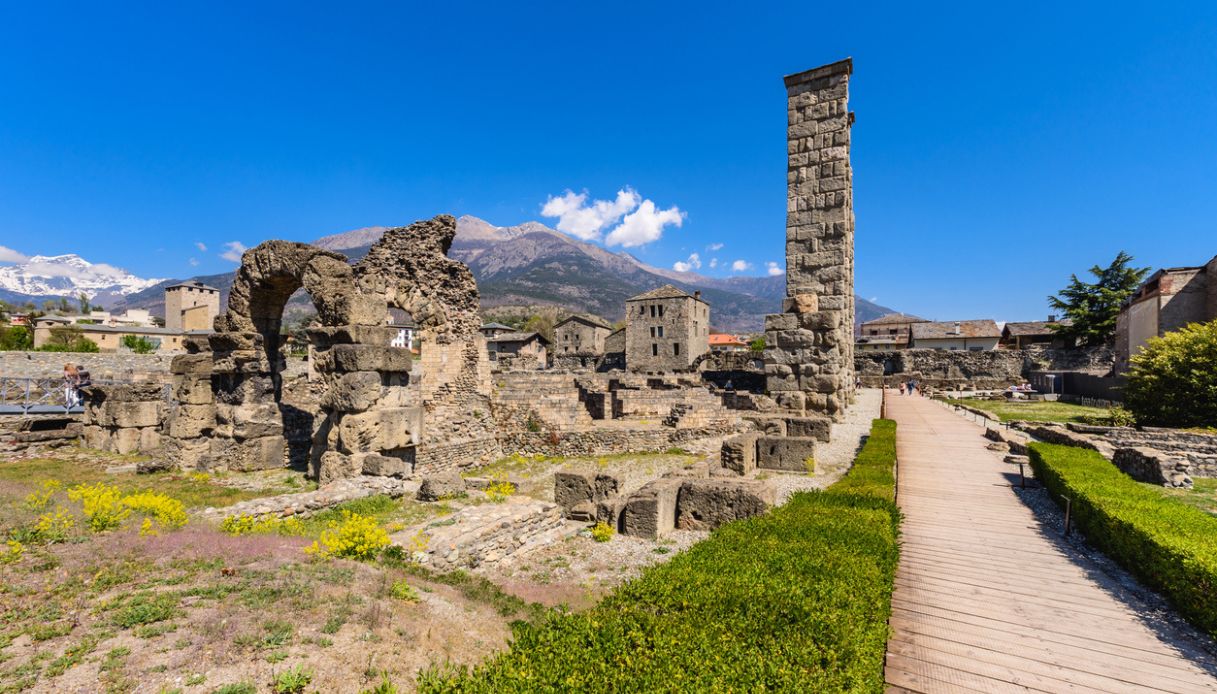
108 367
125 418
809 363
987 369
607 440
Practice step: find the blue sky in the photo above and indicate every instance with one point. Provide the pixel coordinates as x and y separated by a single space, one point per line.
995 150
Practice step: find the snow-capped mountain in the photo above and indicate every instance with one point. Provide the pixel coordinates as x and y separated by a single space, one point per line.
70 275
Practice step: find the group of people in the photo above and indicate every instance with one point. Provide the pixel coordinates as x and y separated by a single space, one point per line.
910 387
75 377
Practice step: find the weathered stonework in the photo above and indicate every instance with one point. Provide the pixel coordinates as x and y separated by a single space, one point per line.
125 418
809 360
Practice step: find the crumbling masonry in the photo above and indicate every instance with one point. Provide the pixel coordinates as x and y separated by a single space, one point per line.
809 364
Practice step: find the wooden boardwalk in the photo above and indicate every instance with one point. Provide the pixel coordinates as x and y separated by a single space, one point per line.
986 600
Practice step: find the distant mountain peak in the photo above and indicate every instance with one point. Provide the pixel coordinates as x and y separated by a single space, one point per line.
70 275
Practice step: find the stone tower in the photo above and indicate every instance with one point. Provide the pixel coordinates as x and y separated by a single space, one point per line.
191 306
809 365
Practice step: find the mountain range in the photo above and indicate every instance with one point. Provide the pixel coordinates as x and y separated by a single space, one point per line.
531 265
43 277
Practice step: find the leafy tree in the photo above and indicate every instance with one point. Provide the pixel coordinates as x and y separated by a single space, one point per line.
68 338
85 307
1173 380
542 322
17 337
64 306
1092 307
50 305
757 345
138 344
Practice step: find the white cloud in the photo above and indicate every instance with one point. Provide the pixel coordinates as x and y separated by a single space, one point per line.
638 221
693 263
235 249
194 262
583 221
201 246
741 266
644 225
773 269
93 272
8 255
714 262
714 247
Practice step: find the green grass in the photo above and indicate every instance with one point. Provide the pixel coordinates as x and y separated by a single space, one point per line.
1169 545
1034 411
194 493
795 600
1203 495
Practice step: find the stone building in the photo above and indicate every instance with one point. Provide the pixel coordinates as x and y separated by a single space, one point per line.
1168 300
614 351
809 363
967 335
191 306
1024 334
526 350
666 330
490 330
109 338
886 333
581 334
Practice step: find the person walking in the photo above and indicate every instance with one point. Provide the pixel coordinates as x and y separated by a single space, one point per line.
912 387
71 381
902 387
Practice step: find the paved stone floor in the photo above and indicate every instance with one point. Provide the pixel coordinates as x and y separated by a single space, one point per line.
989 599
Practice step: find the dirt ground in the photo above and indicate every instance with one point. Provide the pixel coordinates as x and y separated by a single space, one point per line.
194 609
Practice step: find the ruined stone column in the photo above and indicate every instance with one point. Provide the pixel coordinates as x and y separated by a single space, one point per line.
809 360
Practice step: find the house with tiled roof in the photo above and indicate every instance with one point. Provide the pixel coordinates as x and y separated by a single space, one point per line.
889 332
972 335
667 329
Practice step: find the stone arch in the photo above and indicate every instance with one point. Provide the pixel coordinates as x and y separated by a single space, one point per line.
270 273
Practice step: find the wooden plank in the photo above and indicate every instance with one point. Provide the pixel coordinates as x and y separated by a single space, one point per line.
987 599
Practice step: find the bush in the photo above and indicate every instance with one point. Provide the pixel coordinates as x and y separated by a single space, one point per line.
138 344
355 537
102 505
12 552
292 681
166 511
796 600
602 532
1170 546
1173 380
246 524
68 338
17 337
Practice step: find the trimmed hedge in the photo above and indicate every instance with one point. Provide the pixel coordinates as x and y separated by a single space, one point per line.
796 600
1168 545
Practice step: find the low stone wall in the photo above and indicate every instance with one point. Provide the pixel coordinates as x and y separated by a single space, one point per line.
1155 467
125 418
308 503
102 367
988 369
1199 450
430 458
604 441
1142 451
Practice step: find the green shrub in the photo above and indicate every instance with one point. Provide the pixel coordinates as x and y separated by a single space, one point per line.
796 600
17 337
68 338
602 532
138 344
1170 546
1173 379
292 681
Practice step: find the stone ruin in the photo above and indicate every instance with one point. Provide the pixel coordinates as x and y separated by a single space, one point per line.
226 410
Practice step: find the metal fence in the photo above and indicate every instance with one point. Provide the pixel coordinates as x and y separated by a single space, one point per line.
26 396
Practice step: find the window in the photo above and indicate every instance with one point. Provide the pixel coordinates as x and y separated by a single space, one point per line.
652 311
660 329
652 331
676 348
661 311
654 350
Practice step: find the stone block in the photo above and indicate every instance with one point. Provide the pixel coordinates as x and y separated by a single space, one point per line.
609 512
788 453
584 512
819 428
191 365
348 358
96 437
739 453
353 392
650 512
192 421
135 414
327 336
439 486
125 441
606 486
266 453
383 465
574 488
149 439
235 342
191 390
378 430
801 303
707 504
336 466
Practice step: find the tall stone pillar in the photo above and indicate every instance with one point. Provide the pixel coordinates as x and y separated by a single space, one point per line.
809 364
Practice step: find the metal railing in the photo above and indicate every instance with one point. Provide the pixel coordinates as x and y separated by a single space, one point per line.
26 396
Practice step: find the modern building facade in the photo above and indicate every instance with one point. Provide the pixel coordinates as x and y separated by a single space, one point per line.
1168 300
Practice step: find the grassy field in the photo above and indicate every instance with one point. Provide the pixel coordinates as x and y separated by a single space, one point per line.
1037 411
1203 495
143 606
